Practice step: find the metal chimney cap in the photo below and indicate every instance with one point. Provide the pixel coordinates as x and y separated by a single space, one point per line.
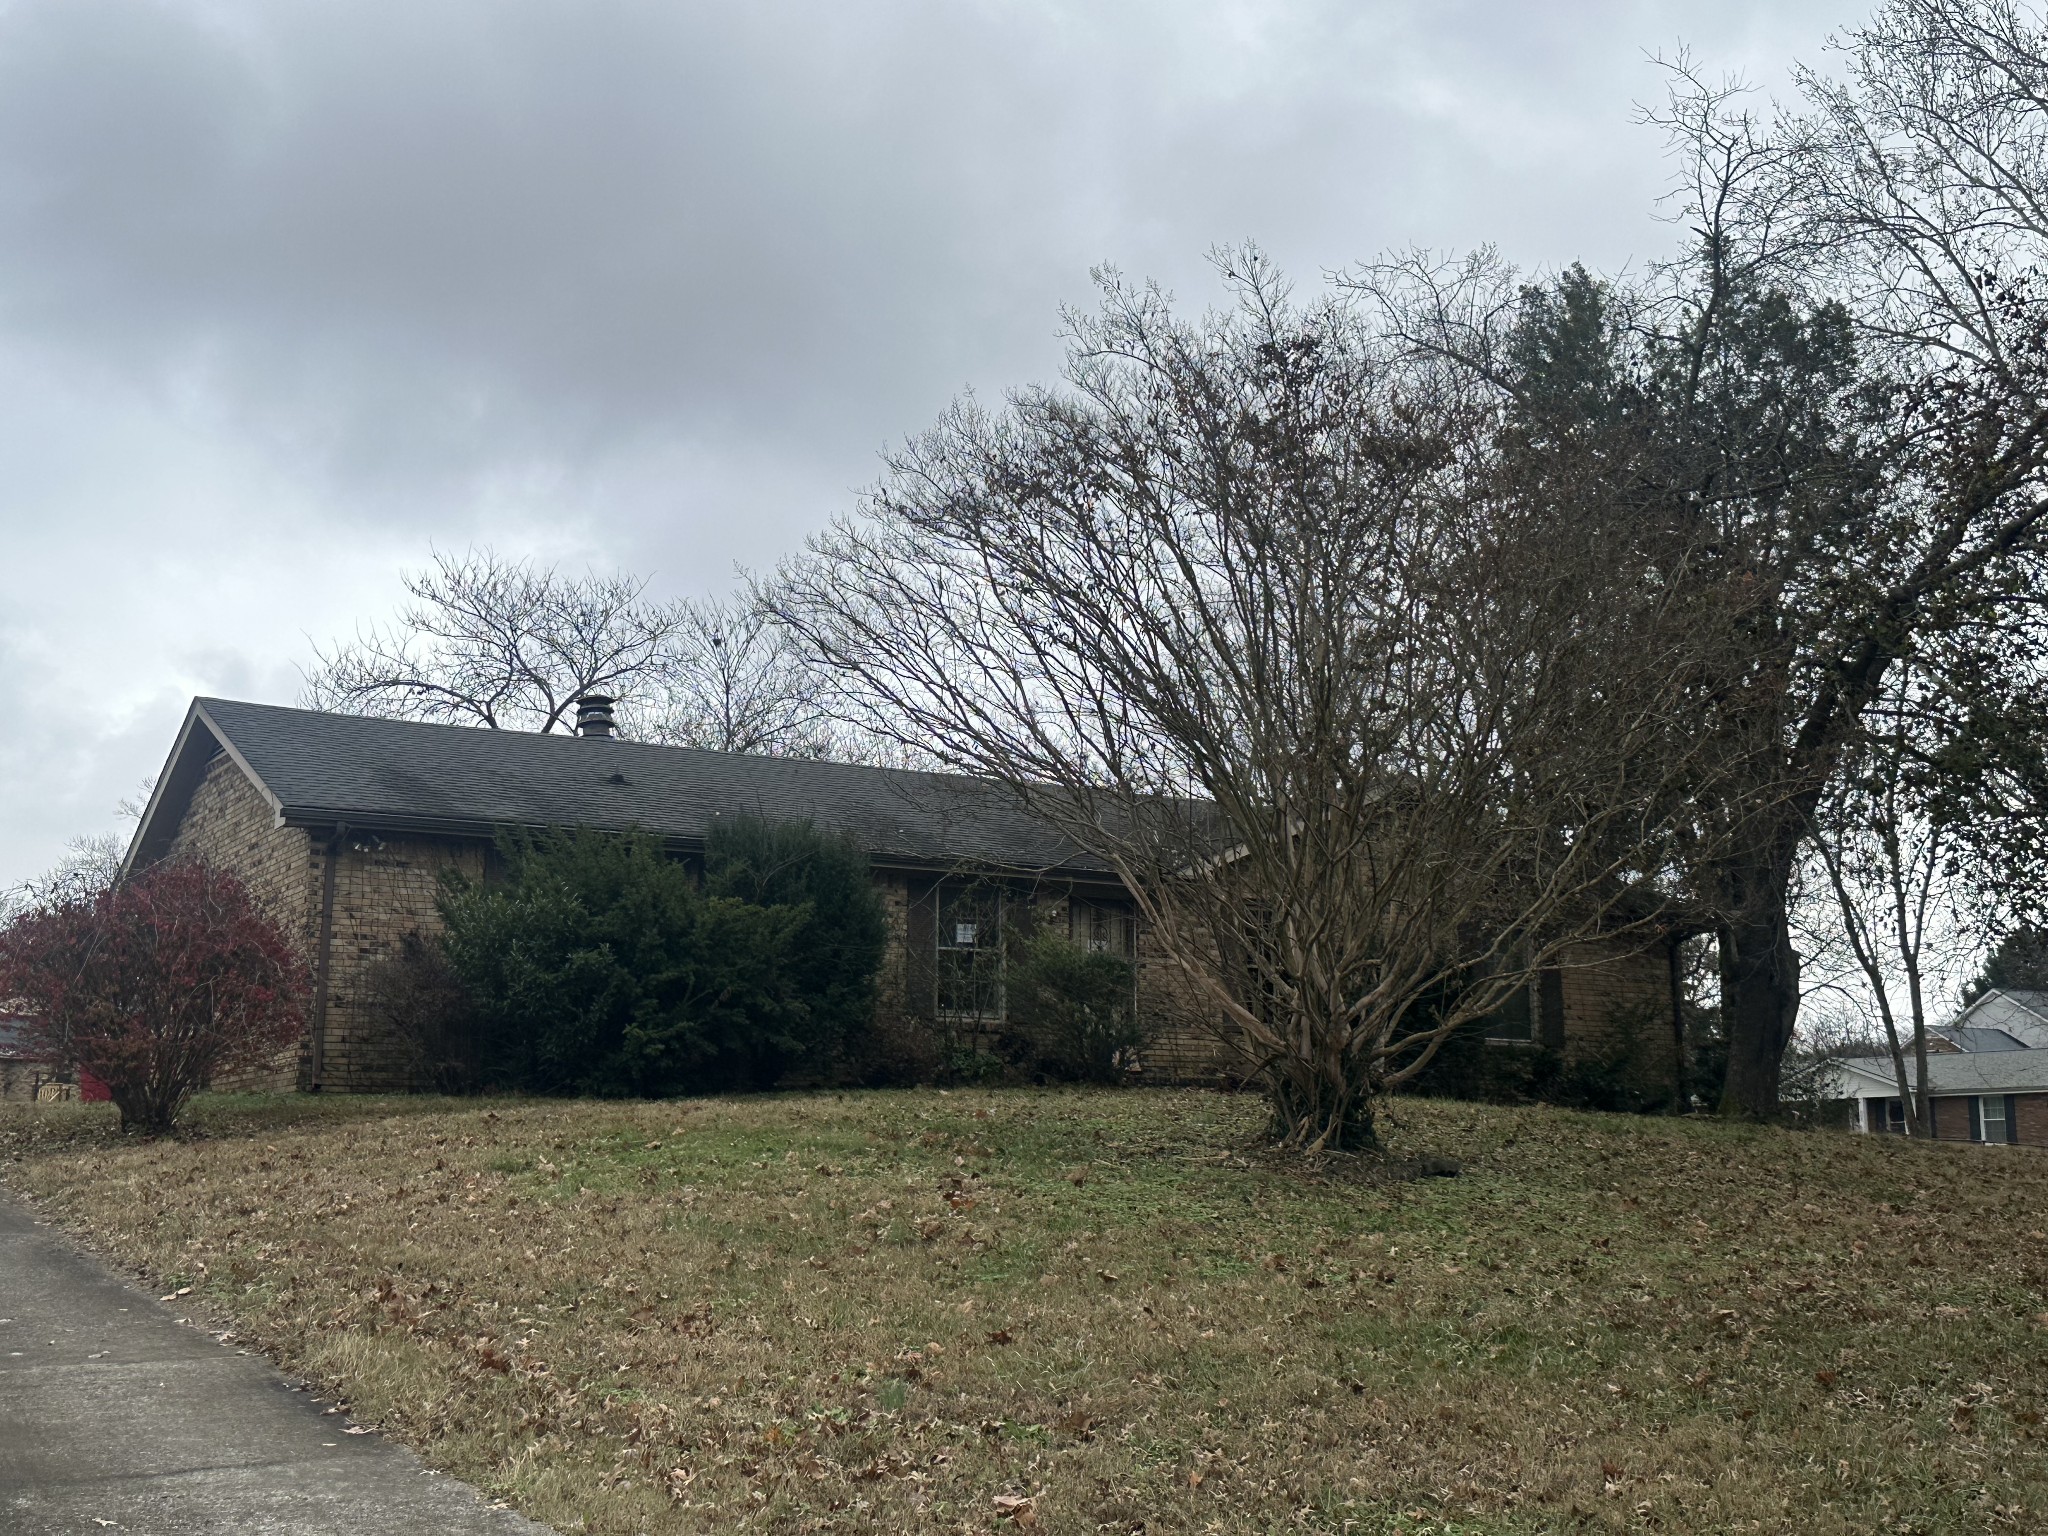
594 715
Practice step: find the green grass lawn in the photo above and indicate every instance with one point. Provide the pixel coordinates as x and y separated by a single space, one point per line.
1108 1311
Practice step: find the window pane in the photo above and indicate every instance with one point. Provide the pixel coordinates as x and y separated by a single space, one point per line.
1514 1019
970 952
1103 926
1991 1115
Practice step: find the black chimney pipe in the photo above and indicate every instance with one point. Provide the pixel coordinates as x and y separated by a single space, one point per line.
594 715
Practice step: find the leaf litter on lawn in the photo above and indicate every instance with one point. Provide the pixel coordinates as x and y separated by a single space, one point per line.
895 1311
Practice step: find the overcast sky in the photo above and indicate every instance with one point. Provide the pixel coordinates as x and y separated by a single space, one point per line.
292 294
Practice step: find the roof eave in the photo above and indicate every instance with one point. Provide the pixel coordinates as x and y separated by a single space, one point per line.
314 817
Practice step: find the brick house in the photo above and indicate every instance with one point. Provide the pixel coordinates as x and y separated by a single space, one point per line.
26 1071
341 826
1987 1075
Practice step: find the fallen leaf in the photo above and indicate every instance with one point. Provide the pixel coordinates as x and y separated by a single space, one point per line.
1017 1507
1002 1336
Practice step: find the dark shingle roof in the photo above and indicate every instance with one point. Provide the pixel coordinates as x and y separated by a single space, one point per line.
1981 1039
395 774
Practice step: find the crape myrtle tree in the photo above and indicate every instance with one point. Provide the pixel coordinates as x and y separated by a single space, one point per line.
1833 407
155 984
1252 614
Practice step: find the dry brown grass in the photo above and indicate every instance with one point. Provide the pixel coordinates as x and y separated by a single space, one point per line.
1098 1312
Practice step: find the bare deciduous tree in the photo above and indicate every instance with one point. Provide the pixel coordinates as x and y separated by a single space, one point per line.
733 680
500 643
506 644
1247 611
90 866
1889 864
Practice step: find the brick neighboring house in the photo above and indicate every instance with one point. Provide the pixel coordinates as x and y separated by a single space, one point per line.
1987 1074
25 1071
341 826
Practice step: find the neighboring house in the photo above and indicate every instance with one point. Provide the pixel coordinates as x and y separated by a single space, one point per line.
1987 1074
2021 1015
341 825
27 1072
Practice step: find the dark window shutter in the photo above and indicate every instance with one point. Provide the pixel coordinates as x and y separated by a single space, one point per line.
1550 1007
920 950
1020 926
1976 1119
2012 1114
1020 915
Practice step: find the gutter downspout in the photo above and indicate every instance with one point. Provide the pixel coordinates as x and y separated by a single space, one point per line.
323 959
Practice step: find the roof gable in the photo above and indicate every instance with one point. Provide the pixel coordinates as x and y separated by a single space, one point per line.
323 769
2023 1015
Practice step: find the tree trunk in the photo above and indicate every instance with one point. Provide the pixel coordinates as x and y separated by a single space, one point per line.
1322 1100
1759 1005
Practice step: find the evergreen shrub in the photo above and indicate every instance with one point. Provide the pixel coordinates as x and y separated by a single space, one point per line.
600 965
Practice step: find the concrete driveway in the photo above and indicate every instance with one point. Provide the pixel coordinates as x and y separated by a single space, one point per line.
115 1417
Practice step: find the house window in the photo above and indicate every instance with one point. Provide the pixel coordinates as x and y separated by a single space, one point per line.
1885 1116
970 951
1515 1016
1106 927
1989 1120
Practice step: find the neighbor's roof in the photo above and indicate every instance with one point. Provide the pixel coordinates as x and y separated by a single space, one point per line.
2023 1015
320 770
2021 1071
1979 1039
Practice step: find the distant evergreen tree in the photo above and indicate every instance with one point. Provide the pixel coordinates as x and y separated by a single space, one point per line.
2019 963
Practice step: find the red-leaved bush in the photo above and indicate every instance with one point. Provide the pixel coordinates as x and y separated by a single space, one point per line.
155 985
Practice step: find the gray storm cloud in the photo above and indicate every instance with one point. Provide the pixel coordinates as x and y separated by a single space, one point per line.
290 293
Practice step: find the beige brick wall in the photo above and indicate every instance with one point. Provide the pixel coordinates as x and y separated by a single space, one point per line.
1616 996
384 891
1617 1007
894 889
230 826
